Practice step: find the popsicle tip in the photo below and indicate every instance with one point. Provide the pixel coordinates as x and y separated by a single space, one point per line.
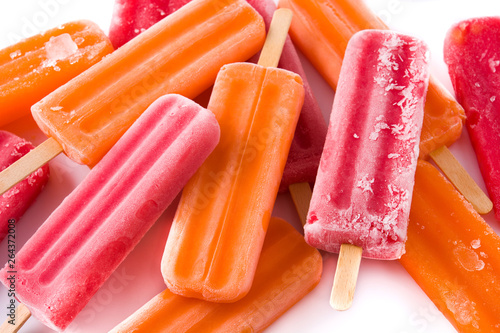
14 325
346 275
483 205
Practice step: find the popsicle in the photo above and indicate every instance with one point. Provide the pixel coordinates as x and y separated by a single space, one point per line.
472 53
322 30
453 254
17 200
216 237
288 270
131 17
83 241
181 54
36 66
363 190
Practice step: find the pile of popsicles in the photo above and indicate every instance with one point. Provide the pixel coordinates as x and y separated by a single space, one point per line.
228 264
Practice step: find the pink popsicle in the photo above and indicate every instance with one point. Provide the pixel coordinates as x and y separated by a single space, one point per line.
364 186
101 221
17 200
131 17
472 53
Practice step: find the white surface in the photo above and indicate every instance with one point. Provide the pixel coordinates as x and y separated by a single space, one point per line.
387 299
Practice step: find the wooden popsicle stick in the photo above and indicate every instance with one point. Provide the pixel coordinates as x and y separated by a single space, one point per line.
276 37
346 275
22 315
461 179
29 163
301 195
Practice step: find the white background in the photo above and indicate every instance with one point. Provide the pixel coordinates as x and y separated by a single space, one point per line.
386 300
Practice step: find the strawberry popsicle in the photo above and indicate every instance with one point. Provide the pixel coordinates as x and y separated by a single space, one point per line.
453 254
17 200
472 53
321 31
288 270
217 234
100 222
180 54
131 17
36 66
363 190
361 199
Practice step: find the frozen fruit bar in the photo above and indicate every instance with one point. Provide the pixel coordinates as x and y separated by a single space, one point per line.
472 53
453 254
364 185
217 234
100 222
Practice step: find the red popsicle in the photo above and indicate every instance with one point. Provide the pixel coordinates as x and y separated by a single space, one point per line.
472 53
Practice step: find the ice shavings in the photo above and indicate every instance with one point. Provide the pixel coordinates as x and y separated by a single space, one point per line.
475 244
493 64
468 258
10 193
398 202
379 126
15 54
387 64
365 184
59 48
33 178
462 308
398 198
79 40
18 147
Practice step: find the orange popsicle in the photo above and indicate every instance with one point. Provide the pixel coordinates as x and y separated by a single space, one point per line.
214 244
453 254
321 31
181 54
288 270
36 66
